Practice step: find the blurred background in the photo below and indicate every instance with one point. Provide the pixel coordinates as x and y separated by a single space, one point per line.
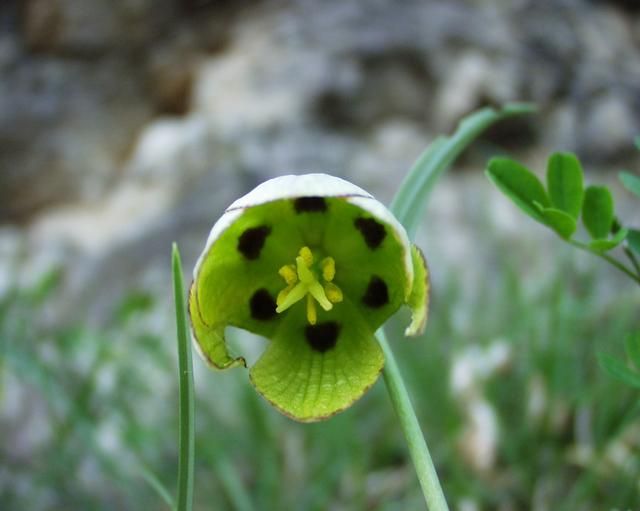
128 124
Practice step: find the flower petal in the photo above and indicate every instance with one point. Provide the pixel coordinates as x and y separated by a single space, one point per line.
369 260
310 372
236 279
419 298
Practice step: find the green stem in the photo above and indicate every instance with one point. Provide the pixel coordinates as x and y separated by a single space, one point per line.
607 258
185 382
426 471
632 258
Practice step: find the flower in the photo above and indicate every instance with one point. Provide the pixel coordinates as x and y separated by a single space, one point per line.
316 265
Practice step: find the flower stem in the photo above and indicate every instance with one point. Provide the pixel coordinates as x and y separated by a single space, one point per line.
607 258
426 471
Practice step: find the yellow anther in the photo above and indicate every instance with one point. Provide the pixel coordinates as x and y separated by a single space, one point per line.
312 316
328 266
302 280
288 273
333 292
307 256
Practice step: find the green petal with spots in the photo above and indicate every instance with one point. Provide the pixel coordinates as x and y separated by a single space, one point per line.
305 261
311 372
369 261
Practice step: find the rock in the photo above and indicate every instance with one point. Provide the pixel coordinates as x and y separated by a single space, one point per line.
80 118
88 28
607 128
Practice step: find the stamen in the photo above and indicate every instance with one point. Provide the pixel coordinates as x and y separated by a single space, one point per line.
307 256
312 317
333 292
302 281
288 273
328 266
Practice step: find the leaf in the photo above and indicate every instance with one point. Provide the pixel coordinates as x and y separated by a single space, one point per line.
564 183
597 211
604 245
186 434
633 239
561 222
619 370
632 347
630 182
410 200
519 184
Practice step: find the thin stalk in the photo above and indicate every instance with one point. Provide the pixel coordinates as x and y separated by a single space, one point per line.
426 471
185 383
607 258
630 255
408 204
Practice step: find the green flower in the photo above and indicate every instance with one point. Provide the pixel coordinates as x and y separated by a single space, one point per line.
316 265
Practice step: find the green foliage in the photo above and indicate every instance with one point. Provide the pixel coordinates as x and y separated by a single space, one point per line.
186 444
521 185
564 182
251 458
565 202
597 205
597 211
620 370
409 202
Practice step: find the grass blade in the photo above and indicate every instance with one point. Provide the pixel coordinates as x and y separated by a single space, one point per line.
155 483
408 205
185 382
410 200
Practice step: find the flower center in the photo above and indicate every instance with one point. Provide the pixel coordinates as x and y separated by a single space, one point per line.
302 280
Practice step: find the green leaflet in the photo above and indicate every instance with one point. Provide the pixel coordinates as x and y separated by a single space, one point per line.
597 211
317 276
564 183
560 221
606 244
521 185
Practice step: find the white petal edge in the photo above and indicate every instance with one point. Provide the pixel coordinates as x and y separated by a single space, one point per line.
310 185
292 186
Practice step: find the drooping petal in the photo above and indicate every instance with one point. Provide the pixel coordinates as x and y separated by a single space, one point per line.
310 372
236 280
419 298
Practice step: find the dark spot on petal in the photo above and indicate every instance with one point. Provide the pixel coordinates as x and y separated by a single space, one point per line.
323 336
310 205
373 232
252 240
262 305
376 294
